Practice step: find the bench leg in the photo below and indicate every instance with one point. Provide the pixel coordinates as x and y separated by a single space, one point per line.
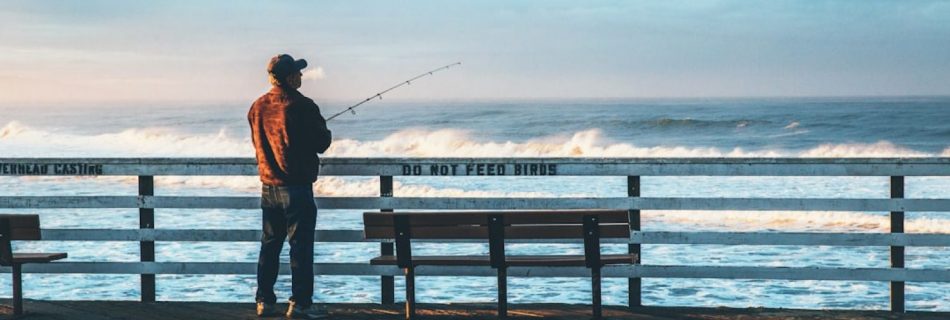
410 293
17 289
502 293
595 291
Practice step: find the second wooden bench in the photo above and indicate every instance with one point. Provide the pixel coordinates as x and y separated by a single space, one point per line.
496 227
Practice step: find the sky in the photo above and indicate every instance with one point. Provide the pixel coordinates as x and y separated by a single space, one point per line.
92 51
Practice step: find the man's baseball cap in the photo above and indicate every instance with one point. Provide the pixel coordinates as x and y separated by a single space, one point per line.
283 65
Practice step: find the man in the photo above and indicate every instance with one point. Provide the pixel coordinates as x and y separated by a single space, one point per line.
288 132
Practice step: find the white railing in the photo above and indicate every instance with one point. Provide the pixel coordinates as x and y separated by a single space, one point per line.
386 168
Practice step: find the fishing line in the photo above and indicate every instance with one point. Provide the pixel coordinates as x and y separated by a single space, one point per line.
379 95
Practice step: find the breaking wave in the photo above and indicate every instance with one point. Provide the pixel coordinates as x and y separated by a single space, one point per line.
18 140
588 143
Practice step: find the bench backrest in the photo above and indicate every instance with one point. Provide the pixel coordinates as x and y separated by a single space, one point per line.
548 224
16 227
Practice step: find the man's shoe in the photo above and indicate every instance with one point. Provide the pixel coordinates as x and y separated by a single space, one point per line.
311 312
265 309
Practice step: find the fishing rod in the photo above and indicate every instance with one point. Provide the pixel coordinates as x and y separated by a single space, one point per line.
381 93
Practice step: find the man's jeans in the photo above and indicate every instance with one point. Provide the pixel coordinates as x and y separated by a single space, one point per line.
289 212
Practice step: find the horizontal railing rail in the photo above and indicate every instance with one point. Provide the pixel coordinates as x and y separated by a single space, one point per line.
637 271
470 166
386 168
754 204
639 237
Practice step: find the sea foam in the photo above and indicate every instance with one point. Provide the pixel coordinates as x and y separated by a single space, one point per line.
18 140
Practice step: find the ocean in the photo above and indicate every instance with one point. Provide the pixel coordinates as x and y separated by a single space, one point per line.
773 127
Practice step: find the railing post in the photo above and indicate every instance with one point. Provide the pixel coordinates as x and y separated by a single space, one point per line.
897 252
634 285
147 248
387 283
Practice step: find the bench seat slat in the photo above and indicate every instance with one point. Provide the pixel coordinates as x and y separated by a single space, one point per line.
37 257
448 218
518 261
615 230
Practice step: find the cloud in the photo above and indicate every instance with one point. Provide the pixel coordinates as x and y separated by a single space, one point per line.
314 74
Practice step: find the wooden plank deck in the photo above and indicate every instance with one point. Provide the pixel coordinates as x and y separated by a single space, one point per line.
100 310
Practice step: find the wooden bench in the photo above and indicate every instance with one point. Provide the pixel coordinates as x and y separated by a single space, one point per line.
21 227
496 227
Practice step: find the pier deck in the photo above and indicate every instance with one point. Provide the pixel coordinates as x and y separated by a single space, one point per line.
100 310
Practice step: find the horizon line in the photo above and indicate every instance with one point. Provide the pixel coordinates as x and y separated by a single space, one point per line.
163 102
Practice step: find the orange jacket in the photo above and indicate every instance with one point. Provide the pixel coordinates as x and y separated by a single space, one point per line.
288 132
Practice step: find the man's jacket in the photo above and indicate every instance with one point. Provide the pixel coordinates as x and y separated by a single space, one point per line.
288 132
